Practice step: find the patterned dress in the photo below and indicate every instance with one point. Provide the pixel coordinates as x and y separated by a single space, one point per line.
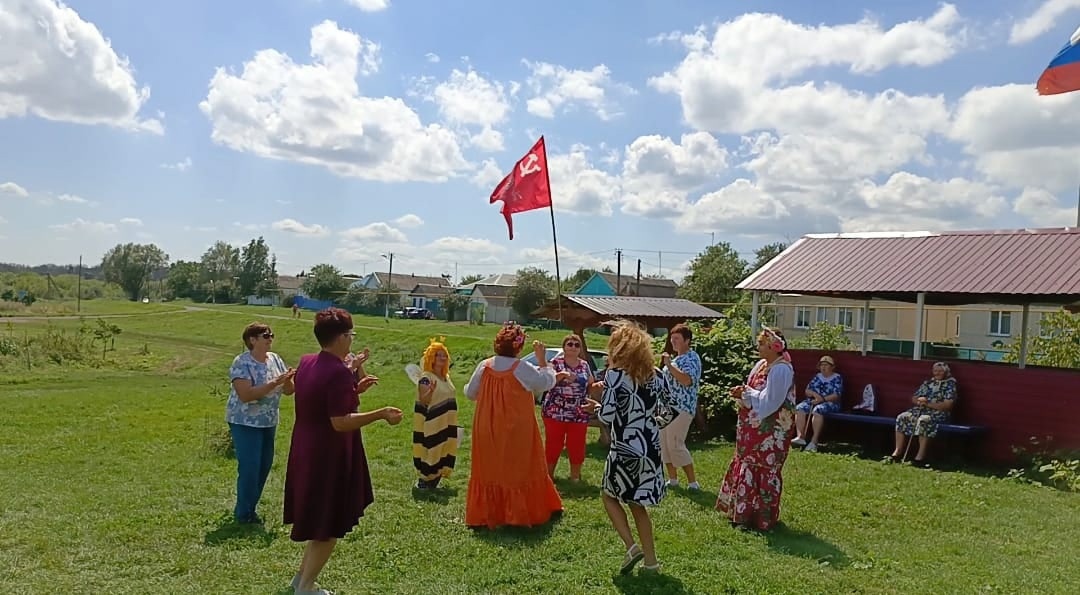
633 473
833 385
924 421
750 493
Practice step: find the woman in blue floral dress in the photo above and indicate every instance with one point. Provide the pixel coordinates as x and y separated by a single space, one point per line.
823 396
933 401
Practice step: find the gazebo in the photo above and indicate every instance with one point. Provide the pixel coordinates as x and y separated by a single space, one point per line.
580 312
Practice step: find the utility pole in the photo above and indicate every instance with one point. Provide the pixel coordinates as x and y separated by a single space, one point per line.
660 263
78 288
389 284
637 287
618 272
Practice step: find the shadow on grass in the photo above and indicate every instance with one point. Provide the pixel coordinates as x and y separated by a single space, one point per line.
705 498
594 449
644 582
785 540
576 490
940 459
438 495
518 537
229 532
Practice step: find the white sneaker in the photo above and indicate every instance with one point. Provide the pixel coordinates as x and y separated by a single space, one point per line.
810 447
798 442
694 487
672 483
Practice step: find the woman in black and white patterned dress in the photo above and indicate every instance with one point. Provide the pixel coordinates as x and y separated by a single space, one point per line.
633 472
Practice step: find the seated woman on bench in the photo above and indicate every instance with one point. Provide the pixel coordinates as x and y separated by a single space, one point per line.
933 401
822 396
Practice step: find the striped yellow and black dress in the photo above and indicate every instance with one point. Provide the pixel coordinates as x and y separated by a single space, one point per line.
435 433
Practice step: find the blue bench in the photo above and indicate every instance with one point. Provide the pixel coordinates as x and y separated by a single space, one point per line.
880 420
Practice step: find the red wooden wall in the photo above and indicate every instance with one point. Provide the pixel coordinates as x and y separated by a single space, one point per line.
1014 404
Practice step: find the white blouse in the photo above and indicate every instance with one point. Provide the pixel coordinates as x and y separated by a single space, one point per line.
535 380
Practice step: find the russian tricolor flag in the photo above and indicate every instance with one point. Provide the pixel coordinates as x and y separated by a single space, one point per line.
1063 73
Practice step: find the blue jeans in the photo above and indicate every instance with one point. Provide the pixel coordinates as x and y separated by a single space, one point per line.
254 456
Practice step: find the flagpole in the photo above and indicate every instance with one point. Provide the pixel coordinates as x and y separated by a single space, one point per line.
554 237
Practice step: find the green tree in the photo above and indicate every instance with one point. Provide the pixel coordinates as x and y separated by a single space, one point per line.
359 300
580 277
183 279
1057 345
257 270
129 265
470 279
324 282
829 337
534 288
713 275
454 303
767 300
220 263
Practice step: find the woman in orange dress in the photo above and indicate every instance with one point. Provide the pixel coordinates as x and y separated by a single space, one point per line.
509 482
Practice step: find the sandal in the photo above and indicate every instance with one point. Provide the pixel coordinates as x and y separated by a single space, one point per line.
654 569
632 557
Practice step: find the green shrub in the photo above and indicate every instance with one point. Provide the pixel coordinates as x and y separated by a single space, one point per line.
1042 464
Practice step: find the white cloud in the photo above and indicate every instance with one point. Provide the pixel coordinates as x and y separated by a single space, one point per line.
1042 20
469 98
81 225
375 232
180 166
59 67
488 139
569 259
488 175
458 246
738 207
13 189
370 5
132 221
557 89
408 220
432 57
315 114
1044 209
578 187
953 203
658 172
72 198
295 227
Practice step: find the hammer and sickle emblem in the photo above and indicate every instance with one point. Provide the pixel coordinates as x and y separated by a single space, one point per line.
530 165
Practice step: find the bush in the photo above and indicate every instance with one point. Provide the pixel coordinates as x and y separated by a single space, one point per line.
1042 464
218 437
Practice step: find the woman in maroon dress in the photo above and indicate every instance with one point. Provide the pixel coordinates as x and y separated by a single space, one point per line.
327 484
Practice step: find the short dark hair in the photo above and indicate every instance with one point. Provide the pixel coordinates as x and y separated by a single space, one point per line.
255 329
682 329
330 324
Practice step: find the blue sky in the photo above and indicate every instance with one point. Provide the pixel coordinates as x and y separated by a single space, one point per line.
667 124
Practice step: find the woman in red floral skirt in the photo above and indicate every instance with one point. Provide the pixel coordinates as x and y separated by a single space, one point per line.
750 493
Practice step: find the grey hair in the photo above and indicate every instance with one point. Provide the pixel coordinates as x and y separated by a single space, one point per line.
944 367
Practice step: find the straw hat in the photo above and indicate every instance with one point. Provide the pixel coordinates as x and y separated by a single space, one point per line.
827 360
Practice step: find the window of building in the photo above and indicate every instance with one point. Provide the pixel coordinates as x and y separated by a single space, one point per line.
802 317
1001 323
822 315
845 317
871 318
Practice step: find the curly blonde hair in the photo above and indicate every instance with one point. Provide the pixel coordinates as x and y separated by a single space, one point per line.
630 350
427 363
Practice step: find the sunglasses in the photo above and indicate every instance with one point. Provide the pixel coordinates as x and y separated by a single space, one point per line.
268 335
572 344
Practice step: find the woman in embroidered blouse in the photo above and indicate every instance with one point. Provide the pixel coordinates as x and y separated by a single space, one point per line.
683 375
754 483
565 420
258 378
933 401
508 480
822 396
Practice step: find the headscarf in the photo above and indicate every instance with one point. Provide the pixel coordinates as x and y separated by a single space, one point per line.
776 342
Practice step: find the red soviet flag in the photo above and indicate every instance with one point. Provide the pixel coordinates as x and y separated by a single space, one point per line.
526 187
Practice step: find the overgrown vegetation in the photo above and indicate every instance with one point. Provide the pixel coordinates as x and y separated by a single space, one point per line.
1042 463
1057 344
825 336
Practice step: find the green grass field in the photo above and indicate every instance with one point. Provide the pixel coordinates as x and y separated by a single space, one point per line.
111 485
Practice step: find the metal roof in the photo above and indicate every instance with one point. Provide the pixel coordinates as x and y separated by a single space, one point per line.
642 307
1029 265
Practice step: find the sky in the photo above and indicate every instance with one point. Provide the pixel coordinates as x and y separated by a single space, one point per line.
346 130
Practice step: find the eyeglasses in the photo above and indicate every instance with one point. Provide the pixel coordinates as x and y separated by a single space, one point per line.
350 333
572 344
268 335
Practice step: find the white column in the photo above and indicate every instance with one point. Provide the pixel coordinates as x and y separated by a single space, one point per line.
865 326
755 302
920 316
1024 335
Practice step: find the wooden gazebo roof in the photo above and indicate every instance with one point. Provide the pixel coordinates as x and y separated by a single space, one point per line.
580 312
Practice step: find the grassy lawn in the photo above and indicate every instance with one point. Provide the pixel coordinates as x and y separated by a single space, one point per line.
111 486
97 307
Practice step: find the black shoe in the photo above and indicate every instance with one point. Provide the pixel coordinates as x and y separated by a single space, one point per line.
251 520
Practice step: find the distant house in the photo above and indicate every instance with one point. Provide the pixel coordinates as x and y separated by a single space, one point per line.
405 283
490 298
288 286
425 295
605 283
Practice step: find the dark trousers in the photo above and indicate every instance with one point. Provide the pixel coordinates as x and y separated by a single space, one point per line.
254 456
